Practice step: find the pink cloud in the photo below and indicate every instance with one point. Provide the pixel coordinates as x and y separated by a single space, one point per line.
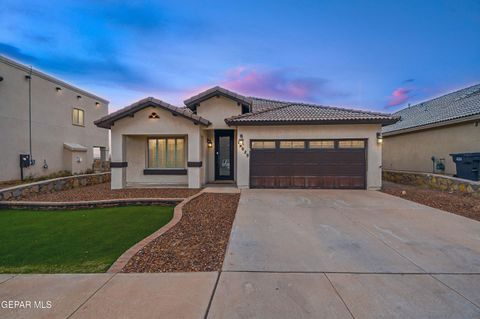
399 96
281 84
276 84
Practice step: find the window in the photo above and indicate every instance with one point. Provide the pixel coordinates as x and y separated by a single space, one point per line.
322 144
351 144
263 144
78 117
292 144
168 152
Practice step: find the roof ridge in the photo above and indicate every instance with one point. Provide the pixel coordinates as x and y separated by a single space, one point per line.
320 105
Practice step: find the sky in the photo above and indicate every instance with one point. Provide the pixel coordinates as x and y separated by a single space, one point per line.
374 55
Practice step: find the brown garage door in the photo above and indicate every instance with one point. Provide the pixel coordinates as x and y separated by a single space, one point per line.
308 164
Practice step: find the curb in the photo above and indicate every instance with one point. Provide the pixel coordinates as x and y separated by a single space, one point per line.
89 204
122 261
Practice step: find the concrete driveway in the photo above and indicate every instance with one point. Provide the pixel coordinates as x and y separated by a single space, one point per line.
293 254
361 254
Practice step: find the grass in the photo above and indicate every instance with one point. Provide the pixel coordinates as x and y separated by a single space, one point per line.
74 241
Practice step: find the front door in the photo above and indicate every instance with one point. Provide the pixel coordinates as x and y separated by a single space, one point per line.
224 154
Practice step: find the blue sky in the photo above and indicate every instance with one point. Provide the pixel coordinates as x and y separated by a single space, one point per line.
378 55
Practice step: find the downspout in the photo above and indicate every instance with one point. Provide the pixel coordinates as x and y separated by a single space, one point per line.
30 114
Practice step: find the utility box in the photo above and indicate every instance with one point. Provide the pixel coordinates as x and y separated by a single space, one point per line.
468 165
24 160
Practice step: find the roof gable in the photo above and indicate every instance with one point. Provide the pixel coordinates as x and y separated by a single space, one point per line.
216 91
108 120
457 105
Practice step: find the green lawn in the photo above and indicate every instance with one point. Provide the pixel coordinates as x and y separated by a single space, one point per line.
75 241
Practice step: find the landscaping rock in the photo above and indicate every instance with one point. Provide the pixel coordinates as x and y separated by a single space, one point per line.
197 243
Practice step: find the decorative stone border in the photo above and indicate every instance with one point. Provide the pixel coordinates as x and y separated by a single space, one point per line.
53 185
433 181
90 204
122 261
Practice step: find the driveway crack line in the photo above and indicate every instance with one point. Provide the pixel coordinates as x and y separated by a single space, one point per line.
473 303
339 296
91 296
213 294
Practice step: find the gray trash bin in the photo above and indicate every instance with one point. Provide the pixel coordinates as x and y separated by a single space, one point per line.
468 165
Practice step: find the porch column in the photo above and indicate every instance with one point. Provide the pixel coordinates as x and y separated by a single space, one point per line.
194 160
118 164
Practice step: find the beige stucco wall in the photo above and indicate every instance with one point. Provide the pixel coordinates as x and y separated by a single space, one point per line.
129 145
217 109
413 151
51 122
75 161
367 131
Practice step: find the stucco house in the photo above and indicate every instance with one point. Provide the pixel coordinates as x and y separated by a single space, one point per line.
427 133
47 121
224 137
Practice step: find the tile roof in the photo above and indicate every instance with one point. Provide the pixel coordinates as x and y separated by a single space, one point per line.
217 90
108 120
281 112
456 105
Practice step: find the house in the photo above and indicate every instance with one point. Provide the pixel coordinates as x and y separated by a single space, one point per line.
221 136
429 132
48 122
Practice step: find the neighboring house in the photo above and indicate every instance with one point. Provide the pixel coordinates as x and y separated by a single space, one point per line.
48 119
222 136
435 128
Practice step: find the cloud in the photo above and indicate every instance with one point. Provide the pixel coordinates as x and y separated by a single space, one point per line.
281 83
106 69
399 96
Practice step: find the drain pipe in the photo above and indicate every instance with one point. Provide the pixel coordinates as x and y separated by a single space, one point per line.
29 77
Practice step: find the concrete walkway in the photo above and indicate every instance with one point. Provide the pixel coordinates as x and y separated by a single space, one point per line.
293 254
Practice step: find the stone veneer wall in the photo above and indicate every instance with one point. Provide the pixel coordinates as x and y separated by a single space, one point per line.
434 181
53 185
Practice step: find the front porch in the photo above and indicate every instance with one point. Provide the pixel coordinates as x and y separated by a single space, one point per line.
194 160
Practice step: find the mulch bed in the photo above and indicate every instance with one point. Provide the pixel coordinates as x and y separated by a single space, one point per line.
197 243
460 204
103 191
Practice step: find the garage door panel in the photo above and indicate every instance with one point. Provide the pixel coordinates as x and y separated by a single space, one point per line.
308 168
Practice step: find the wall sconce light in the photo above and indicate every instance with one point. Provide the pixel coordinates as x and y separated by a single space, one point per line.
97 104
79 97
240 140
209 143
58 89
379 138
1 78
153 116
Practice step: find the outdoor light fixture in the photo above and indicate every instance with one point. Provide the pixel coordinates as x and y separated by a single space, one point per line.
97 104
153 116
240 140
1 78
379 138
209 143
79 97
58 89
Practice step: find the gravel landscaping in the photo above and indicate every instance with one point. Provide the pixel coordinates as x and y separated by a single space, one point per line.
103 191
197 243
460 204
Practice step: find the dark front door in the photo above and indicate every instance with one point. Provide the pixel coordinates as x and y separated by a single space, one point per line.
223 154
